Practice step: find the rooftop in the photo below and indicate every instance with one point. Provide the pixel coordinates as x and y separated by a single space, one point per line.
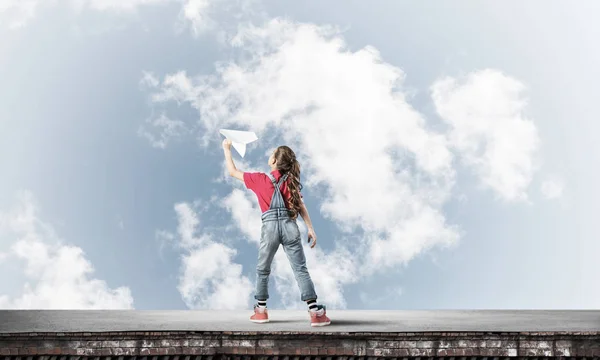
20 321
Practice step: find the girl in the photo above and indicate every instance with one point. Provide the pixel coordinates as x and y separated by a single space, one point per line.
281 202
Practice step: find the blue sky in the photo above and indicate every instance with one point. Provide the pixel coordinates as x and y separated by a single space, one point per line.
447 152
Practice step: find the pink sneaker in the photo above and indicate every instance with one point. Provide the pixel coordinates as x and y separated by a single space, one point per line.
319 317
261 315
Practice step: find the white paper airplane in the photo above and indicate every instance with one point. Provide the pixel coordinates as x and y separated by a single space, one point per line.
239 139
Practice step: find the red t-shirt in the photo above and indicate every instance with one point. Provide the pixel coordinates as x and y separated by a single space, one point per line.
261 185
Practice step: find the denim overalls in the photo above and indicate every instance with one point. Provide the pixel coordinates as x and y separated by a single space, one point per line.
279 228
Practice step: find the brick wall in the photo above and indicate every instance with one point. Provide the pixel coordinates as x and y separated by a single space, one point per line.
299 345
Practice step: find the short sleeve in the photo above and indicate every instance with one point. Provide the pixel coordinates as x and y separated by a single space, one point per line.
252 180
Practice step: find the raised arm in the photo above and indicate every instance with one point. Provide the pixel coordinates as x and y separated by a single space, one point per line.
233 171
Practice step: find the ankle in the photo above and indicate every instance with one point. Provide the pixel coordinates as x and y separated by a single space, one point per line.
312 305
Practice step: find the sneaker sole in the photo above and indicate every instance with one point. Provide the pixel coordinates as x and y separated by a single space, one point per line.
320 324
260 321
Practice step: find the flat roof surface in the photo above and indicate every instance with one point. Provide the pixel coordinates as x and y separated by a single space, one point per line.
14 321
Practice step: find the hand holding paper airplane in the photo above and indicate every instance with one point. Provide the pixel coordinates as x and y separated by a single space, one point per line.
239 139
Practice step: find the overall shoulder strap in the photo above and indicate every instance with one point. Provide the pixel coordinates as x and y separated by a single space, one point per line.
282 179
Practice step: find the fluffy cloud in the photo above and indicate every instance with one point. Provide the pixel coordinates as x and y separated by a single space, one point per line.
552 189
245 212
382 173
323 100
17 13
301 83
195 13
58 276
209 278
119 5
161 130
489 128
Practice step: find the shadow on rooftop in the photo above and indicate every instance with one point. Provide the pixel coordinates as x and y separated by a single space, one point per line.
342 322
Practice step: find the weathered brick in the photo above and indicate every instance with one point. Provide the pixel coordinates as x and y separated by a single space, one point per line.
408 344
379 352
444 344
390 344
85 352
203 351
449 352
203 343
564 343
466 344
110 343
528 344
372 344
93 344
425 344
146 344
421 352
490 352
543 345
493 343
128 351
266 343
165 343
339 351
563 351
400 352
535 352
239 343
127 343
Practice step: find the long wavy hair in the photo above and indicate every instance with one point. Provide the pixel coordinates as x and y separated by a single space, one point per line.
285 160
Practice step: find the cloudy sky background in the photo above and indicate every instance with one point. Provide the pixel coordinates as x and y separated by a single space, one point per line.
448 152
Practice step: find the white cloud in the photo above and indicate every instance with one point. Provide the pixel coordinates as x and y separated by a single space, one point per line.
209 278
18 12
197 13
552 189
194 13
58 276
383 173
120 5
489 127
245 213
161 130
324 101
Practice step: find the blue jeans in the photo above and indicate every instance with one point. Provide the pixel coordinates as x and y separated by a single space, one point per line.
279 228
